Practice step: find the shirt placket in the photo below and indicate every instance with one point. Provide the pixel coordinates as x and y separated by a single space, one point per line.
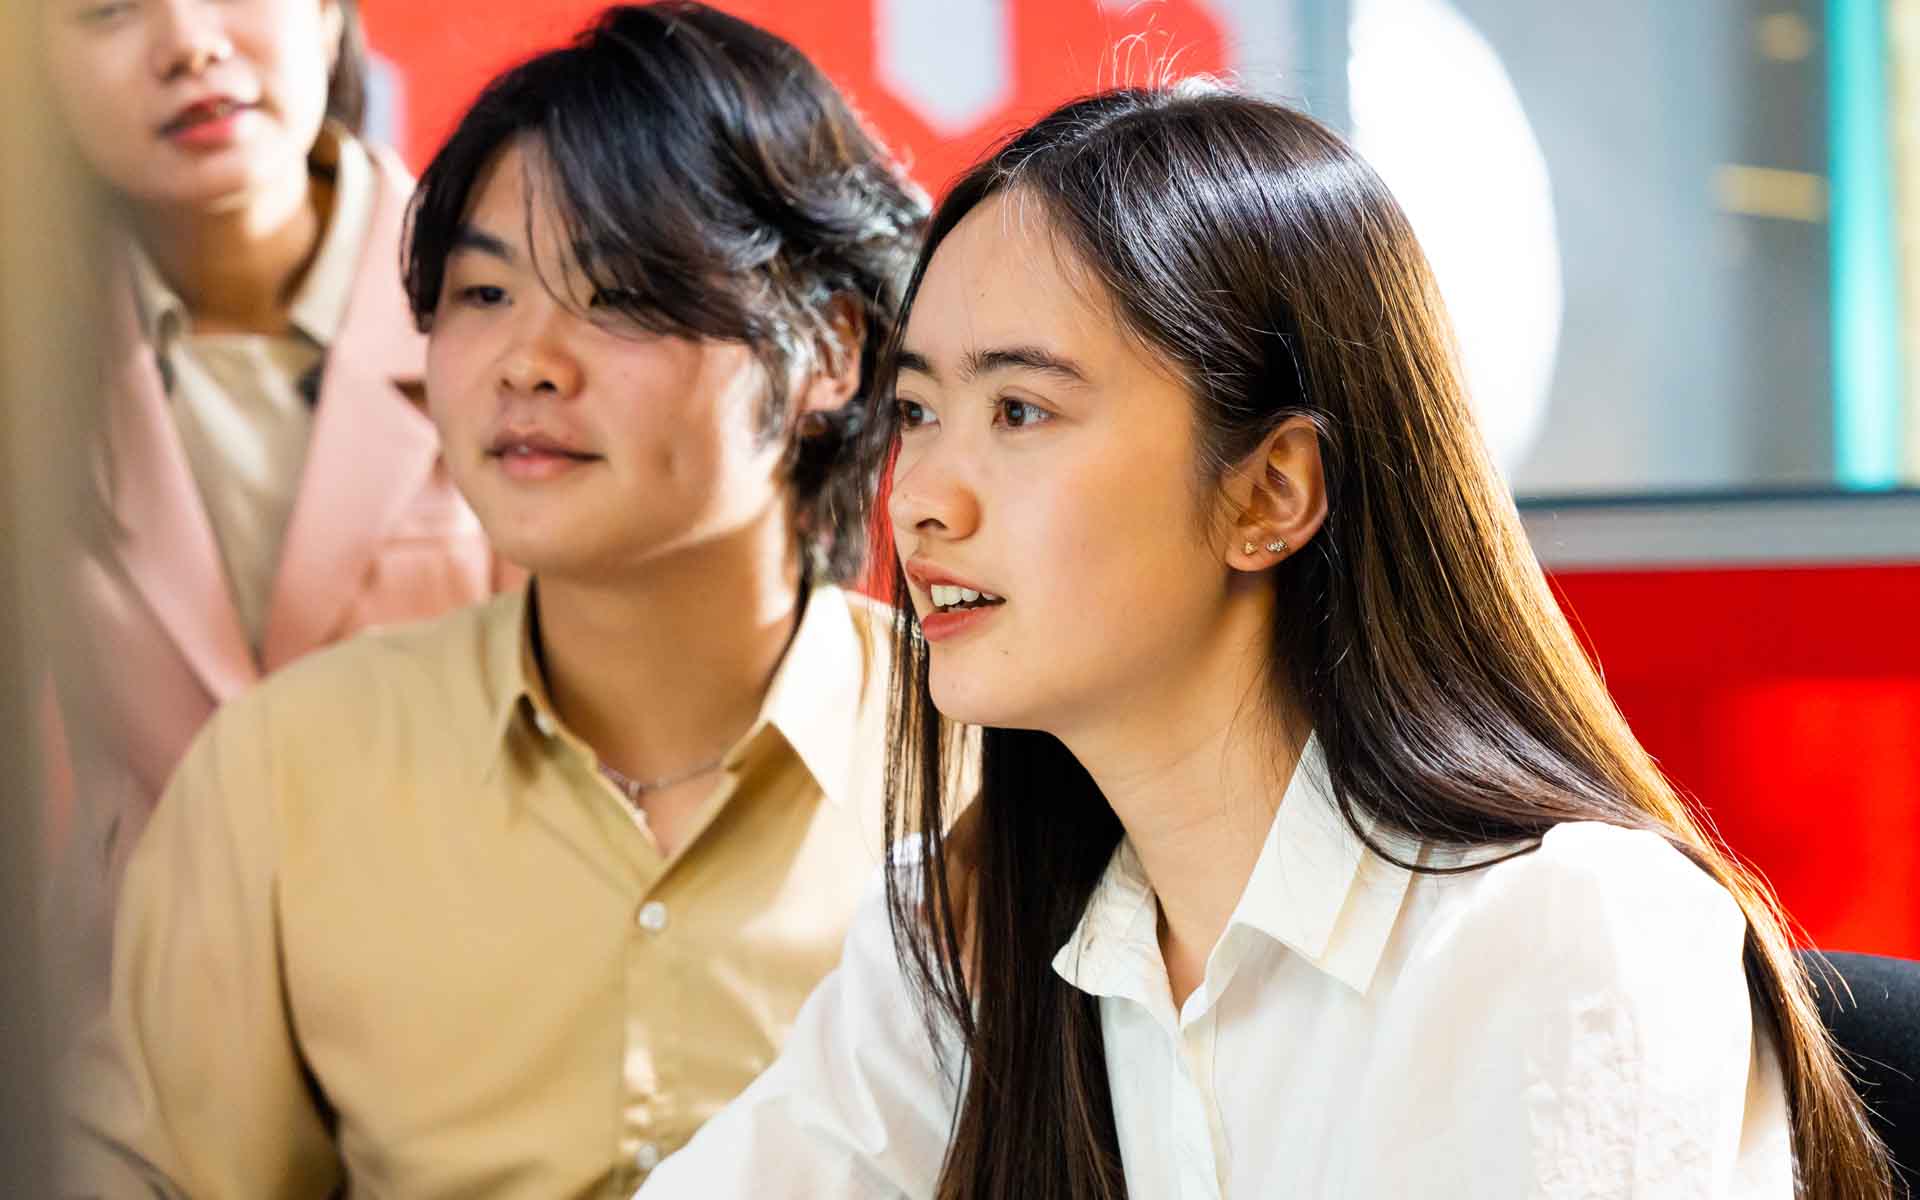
657 960
1198 1138
643 1114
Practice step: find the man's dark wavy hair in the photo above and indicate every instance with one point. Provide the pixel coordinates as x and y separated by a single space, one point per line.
726 190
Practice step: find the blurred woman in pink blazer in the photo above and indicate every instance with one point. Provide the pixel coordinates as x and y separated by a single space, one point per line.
269 480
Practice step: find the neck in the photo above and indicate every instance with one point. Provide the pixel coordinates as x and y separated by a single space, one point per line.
663 671
1195 779
236 267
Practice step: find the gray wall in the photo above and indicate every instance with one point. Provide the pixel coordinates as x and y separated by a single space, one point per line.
1694 349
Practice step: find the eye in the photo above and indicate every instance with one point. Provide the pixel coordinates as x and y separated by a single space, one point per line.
1019 414
913 414
481 295
96 13
617 299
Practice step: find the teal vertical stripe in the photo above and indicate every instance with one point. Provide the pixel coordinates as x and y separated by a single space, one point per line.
1865 257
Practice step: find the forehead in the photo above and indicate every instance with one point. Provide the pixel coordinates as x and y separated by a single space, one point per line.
512 194
1007 276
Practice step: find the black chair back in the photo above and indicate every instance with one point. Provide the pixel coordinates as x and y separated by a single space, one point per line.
1878 1028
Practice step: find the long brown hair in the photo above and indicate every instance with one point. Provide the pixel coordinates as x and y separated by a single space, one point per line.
347 82
1248 245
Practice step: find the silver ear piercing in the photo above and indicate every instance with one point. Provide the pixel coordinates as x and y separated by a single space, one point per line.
1276 546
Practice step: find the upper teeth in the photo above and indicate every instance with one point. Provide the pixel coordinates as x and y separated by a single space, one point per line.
946 597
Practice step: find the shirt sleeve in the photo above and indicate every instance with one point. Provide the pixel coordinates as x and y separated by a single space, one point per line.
192 1084
856 1106
1588 1034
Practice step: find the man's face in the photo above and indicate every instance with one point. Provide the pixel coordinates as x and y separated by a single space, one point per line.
589 447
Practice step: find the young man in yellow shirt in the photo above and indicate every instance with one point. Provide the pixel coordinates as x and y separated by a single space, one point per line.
507 904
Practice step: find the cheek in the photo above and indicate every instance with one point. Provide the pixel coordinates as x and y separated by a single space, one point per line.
287 45
1109 529
99 108
1061 532
1128 581
453 366
695 419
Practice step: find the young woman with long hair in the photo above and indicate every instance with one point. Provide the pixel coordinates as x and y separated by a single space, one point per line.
1310 857
265 481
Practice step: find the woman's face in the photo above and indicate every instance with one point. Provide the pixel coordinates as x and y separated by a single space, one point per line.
193 103
589 448
1048 461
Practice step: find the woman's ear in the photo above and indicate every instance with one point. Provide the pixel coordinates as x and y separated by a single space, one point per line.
1279 495
835 370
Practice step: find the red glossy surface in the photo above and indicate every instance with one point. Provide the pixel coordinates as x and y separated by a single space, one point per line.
1057 49
1786 702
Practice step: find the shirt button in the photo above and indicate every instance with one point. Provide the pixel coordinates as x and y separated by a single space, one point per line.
647 1157
544 723
653 916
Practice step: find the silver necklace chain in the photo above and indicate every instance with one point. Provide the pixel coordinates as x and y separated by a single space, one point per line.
633 788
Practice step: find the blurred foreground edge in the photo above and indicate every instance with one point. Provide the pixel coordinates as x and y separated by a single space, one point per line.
50 239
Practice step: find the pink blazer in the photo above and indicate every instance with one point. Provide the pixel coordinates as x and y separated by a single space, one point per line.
378 535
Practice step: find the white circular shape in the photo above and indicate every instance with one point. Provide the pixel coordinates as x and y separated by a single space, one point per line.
1436 115
653 916
647 1157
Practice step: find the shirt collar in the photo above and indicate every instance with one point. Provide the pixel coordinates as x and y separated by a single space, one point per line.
163 315
319 308
828 697
1315 888
826 701
512 681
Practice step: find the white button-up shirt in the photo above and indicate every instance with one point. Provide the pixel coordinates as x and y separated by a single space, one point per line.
1572 1022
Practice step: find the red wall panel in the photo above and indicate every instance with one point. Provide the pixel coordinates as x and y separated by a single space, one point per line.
1786 703
1053 50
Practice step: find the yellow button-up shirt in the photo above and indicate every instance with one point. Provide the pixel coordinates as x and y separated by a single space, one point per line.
390 929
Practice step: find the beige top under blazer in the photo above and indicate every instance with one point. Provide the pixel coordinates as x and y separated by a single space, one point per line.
377 535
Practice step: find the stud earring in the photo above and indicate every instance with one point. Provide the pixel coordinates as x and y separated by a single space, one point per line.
1276 546
1248 547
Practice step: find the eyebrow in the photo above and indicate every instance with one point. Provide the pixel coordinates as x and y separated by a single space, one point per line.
1002 358
472 237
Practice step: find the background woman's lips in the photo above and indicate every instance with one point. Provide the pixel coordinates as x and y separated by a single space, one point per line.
208 124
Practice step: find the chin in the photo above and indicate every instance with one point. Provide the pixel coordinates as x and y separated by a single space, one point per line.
555 558
216 186
972 700
532 543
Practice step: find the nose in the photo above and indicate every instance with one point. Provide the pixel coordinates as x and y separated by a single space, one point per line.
538 359
932 498
189 40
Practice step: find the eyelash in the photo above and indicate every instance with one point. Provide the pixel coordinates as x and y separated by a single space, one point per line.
482 295
904 412
1040 416
1037 415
